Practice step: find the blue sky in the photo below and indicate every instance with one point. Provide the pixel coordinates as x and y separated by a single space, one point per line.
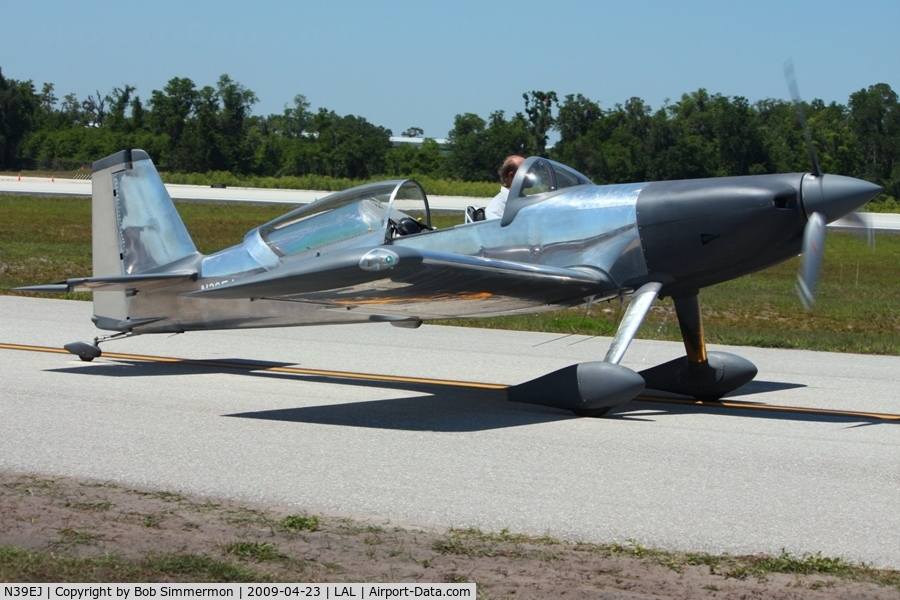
403 63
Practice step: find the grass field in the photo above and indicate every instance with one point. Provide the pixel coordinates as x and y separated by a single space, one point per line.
45 239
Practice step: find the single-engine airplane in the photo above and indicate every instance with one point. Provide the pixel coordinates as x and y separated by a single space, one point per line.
360 256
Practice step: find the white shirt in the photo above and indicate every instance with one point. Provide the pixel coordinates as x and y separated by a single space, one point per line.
496 207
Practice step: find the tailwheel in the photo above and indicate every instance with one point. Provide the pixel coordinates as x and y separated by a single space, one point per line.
84 350
88 352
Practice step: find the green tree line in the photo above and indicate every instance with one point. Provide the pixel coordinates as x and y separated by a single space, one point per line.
213 128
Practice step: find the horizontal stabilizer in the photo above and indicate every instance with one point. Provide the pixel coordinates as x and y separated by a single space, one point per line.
49 288
112 283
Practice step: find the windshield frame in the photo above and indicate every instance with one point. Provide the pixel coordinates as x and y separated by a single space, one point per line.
389 212
517 200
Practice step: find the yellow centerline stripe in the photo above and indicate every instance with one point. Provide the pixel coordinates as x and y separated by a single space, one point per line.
453 383
770 407
272 369
34 348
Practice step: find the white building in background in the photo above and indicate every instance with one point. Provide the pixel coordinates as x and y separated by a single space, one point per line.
397 140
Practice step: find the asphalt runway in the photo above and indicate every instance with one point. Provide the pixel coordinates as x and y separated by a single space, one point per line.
247 423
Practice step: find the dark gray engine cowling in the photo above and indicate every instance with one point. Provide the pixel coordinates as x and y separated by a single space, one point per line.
581 387
700 232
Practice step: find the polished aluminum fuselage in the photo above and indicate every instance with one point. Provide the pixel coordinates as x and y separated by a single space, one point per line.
585 227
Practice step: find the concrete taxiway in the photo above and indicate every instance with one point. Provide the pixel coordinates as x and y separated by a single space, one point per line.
690 477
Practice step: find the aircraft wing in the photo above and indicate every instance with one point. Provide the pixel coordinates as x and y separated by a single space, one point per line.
429 284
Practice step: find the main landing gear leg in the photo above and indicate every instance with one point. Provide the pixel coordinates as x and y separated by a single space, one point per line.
701 374
691 323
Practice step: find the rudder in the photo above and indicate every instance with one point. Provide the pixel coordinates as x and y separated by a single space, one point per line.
136 228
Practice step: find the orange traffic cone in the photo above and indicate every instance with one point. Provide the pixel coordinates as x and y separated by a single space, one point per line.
52 179
20 177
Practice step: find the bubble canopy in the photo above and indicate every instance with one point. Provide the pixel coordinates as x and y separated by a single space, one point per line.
367 209
536 180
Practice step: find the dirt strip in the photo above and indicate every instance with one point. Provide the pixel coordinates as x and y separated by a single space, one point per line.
64 516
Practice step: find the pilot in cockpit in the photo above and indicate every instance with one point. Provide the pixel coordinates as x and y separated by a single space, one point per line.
507 171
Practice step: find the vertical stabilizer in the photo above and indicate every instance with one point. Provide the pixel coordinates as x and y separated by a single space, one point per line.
135 227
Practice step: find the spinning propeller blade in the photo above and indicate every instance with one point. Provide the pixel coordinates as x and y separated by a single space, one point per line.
814 233
862 226
811 259
798 104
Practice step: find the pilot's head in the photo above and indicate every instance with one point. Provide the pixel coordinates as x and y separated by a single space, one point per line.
508 169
